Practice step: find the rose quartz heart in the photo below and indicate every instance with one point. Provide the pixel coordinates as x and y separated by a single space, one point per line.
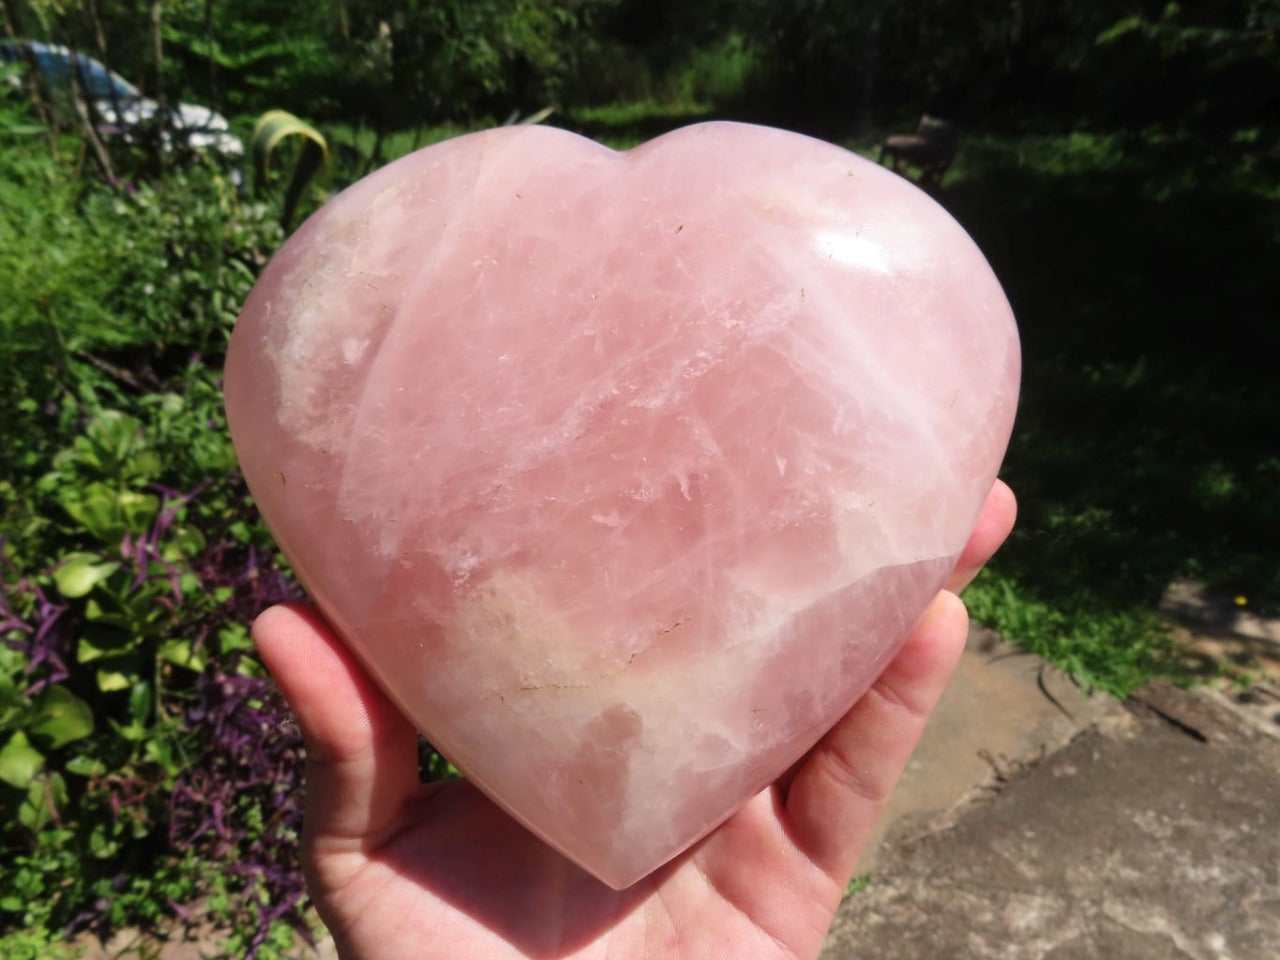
624 473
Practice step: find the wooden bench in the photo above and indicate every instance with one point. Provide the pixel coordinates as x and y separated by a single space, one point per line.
931 149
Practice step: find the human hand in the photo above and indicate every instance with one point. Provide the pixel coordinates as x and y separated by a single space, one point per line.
402 870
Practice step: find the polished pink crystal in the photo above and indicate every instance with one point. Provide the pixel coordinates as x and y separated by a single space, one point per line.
624 473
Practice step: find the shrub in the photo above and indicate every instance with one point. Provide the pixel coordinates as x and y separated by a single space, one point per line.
146 762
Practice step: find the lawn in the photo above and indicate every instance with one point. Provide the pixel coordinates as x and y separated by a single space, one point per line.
1146 446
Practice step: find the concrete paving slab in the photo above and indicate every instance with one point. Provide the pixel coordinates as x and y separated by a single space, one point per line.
1004 709
1134 842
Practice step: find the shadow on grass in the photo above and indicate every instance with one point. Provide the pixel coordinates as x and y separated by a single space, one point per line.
1145 283
1147 446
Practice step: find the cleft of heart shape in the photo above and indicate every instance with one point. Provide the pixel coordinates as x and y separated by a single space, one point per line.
624 474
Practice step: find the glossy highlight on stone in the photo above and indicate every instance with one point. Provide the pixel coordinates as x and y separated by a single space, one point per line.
625 474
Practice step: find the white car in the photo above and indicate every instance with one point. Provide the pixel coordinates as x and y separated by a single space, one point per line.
119 105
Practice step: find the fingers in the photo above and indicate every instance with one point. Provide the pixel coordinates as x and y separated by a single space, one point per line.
841 789
361 753
993 526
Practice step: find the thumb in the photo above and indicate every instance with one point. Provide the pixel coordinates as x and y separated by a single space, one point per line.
841 789
361 752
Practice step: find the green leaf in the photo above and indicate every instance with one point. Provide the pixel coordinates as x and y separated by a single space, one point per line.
273 128
97 641
183 541
102 618
147 465
60 716
160 752
12 703
137 509
94 507
19 761
109 681
1120 29
234 638
43 800
101 845
85 766
118 435
140 702
537 117
108 513
181 654
81 572
134 732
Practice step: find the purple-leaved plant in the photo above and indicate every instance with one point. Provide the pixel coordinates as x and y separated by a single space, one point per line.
252 756
45 639
237 804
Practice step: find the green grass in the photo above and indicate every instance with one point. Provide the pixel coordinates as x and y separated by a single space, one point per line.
623 125
394 144
859 883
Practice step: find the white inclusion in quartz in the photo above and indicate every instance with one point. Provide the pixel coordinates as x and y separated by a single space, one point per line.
852 250
353 349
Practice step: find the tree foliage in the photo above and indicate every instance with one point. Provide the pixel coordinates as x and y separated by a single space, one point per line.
399 64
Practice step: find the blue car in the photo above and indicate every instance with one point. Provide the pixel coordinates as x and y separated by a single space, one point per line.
120 106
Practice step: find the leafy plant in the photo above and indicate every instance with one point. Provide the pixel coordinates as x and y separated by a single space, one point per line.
140 741
274 128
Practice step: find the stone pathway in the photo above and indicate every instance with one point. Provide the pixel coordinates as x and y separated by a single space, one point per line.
1149 829
1134 842
1236 648
1005 710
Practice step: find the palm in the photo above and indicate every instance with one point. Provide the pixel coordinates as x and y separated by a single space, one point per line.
401 870
465 880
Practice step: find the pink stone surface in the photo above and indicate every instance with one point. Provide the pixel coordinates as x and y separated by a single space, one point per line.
624 474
